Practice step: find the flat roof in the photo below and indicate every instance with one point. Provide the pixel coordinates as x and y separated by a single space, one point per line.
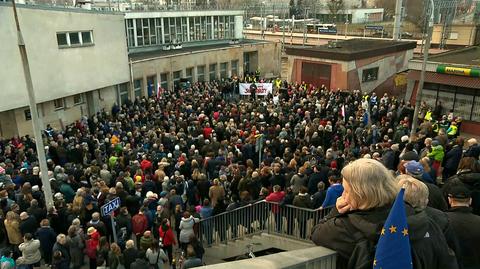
181 13
158 52
466 56
61 8
352 49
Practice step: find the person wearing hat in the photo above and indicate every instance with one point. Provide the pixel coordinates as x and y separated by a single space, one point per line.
416 170
465 225
91 246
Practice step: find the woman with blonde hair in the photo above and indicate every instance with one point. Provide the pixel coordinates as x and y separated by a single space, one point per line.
115 256
12 226
360 213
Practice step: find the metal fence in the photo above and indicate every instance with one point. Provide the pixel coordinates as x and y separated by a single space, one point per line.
260 217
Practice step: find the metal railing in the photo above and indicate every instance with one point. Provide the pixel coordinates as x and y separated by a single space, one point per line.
260 217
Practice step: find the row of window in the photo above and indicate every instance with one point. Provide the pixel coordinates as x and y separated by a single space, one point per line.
59 104
464 102
74 39
177 76
157 31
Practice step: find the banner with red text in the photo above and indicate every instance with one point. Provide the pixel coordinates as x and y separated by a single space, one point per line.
262 88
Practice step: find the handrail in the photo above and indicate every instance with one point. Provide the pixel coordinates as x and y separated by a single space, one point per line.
260 217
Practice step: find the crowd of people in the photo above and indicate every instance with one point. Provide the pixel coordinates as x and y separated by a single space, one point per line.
190 154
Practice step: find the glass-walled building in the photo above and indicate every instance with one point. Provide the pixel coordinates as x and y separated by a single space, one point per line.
150 29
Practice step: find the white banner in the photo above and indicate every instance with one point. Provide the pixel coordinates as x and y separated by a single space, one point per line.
262 88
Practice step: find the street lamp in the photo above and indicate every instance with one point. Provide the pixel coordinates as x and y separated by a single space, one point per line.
418 95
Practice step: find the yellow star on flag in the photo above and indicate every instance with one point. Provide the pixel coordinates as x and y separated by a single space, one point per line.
374 262
405 232
383 231
393 229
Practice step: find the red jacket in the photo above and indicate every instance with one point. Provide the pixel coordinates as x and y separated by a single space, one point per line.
276 197
91 245
167 239
145 164
139 224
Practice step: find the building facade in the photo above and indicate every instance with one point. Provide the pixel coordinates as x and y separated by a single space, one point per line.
355 64
452 79
78 62
167 46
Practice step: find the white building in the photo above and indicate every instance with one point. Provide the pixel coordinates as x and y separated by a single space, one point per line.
78 61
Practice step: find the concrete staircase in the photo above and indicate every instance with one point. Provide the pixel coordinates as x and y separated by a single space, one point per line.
217 253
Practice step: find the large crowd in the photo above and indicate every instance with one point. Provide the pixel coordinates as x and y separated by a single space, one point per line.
190 154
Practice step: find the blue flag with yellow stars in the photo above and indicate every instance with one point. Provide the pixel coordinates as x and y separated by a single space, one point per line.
393 247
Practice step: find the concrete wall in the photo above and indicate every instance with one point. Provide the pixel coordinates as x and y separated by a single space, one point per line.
268 62
60 72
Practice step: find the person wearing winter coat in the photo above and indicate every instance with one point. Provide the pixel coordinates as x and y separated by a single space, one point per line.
156 256
30 249
77 244
146 241
216 192
140 262
47 237
167 238
437 155
186 229
91 246
12 226
366 209
7 261
58 261
62 246
115 256
130 254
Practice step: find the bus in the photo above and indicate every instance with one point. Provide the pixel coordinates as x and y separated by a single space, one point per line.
322 28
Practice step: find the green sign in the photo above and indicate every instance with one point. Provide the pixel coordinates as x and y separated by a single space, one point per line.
469 72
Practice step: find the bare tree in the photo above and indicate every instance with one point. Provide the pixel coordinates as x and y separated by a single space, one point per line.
336 6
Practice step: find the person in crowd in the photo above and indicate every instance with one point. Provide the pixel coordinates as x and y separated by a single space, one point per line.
130 254
115 257
319 197
140 262
452 158
63 247
469 174
156 256
167 238
369 190
146 241
7 261
103 249
473 149
465 224
12 226
47 237
276 197
334 191
77 244
191 260
186 229
91 246
28 224
31 255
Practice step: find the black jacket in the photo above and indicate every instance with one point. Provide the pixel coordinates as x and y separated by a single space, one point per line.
129 256
29 225
139 264
472 182
429 247
466 226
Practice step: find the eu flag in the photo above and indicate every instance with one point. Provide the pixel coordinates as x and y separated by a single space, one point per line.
393 247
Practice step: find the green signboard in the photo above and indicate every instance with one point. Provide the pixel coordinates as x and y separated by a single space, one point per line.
469 72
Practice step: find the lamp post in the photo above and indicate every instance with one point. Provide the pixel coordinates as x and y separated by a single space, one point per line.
37 129
418 95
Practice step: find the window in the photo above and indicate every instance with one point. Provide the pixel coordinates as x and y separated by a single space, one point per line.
28 114
201 73
453 36
176 78
130 33
212 71
189 74
164 81
87 38
62 39
137 87
78 99
59 103
223 70
75 39
370 74
122 93
235 68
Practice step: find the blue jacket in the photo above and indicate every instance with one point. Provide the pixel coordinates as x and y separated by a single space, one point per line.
333 192
452 158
